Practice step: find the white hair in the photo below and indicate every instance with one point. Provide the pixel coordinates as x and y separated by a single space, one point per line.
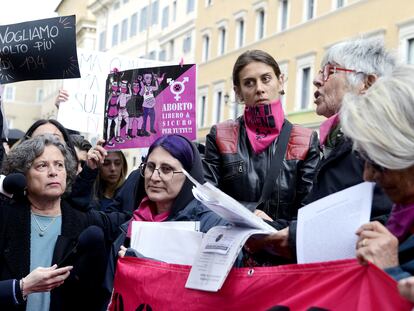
381 122
366 56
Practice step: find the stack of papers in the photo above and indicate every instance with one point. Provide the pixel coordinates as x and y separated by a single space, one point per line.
221 245
174 242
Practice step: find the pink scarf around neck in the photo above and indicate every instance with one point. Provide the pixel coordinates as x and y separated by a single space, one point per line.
326 126
144 212
263 124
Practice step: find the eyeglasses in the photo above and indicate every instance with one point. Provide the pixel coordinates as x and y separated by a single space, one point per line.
165 172
364 157
329 69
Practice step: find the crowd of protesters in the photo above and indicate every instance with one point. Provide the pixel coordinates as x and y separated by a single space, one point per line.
61 237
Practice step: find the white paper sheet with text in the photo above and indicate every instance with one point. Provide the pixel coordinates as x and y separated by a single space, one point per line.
174 242
326 228
217 254
227 207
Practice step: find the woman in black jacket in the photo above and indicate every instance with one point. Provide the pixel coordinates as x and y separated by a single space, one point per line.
239 154
41 229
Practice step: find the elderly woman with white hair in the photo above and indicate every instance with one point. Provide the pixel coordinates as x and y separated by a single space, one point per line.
380 124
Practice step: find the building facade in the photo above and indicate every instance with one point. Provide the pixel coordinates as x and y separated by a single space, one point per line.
296 33
28 101
161 30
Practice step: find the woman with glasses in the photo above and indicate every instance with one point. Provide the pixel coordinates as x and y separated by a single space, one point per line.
159 191
349 66
380 124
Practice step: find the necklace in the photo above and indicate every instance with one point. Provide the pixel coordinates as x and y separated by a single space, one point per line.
42 230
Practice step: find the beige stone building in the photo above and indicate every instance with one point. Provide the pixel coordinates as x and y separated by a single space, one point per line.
162 30
212 33
296 33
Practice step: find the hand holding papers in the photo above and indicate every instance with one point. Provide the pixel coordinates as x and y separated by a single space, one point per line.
221 245
326 228
227 207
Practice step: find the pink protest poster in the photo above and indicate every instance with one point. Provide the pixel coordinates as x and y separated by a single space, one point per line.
144 104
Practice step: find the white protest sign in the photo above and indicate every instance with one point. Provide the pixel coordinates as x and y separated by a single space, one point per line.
84 111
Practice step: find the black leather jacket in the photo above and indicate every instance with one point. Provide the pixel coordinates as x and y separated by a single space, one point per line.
231 165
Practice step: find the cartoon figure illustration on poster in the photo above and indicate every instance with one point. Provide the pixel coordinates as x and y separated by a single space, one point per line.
157 100
135 112
149 84
123 115
111 110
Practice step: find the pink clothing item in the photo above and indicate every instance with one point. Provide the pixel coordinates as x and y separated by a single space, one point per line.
263 124
326 127
401 221
145 212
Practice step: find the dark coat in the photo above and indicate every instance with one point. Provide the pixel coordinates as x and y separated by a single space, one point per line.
231 165
9 294
74 294
406 260
342 169
184 208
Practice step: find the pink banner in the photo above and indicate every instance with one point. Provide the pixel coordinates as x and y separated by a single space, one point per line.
142 284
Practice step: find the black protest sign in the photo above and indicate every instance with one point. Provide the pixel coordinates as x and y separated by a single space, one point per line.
39 50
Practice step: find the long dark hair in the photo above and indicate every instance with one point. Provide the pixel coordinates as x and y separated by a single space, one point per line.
59 126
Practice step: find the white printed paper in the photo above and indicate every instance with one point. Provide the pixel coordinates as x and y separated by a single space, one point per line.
175 242
216 256
326 228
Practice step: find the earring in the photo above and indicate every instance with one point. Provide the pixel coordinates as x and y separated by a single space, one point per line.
282 92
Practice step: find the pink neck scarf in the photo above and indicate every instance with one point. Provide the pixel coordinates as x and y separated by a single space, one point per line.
263 124
144 212
326 126
401 221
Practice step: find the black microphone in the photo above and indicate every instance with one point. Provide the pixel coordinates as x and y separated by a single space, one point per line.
13 184
89 239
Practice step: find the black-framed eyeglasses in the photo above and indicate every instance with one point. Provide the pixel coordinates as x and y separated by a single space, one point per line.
165 172
364 157
329 69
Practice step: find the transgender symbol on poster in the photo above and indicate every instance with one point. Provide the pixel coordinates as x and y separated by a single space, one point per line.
144 104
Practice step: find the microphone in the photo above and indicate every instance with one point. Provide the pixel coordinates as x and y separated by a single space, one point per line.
13 184
89 240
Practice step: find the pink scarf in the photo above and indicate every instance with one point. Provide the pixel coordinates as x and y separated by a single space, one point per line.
326 126
144 212
401 221
263 124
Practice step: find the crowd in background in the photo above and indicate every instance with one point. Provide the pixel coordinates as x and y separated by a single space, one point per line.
60 238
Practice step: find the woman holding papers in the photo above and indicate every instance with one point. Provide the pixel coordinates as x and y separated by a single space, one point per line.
380 123
261 145
161 192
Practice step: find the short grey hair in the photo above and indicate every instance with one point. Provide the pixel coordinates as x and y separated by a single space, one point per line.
21 157
380 122
367 56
